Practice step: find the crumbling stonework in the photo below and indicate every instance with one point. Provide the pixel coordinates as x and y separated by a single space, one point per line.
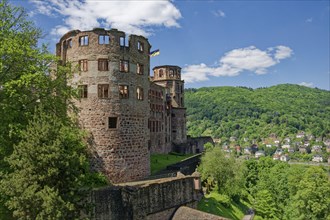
112 109
153 199
128 113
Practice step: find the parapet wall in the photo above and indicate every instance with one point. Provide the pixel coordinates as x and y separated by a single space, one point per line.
154 199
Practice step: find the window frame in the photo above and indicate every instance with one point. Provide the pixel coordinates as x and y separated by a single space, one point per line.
103 91
140 46
85 41
104 37
102 64
83 91
139 93
122 66
69 43
83 65
123 91
139 69
115 122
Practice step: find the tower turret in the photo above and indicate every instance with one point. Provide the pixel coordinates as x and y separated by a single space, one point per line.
113 77
169 76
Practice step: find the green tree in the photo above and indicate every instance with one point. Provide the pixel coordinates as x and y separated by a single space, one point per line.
42 178
311 200
265 205
224 170
49 171
24 77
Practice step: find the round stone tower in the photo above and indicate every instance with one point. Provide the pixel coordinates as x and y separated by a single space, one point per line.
170 77
112 73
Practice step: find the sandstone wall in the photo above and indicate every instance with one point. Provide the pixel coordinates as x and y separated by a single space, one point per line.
120 152
155 199
179 130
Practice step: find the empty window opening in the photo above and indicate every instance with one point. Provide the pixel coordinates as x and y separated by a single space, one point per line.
69 43
103 65
83 91
140 46
123 91
139 93
83 41
112 122
103 91
104 39
139 69
123 41
83 65
123 66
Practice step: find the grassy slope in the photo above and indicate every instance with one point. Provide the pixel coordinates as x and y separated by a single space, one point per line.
159 162
212 204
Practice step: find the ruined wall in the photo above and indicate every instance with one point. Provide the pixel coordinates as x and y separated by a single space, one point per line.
169 77
155 199
193 145
159 121
179 130
116 119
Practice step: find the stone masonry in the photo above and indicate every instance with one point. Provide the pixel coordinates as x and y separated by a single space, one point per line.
128 113
113 98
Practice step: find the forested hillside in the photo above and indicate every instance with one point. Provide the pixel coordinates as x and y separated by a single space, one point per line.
240 112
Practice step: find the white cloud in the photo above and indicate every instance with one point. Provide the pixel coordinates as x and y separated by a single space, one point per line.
133 17
219 13
236 61
282 52
310 84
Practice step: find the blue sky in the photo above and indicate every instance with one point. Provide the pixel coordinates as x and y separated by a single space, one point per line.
217 43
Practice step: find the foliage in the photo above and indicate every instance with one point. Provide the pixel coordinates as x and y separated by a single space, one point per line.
25 78
48 170
311 200
283 110
284 191
43 167
159 162
224 170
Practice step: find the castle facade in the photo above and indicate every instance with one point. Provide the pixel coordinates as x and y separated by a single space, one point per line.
128 113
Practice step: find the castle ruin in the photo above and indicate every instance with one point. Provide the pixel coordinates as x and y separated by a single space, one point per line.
128 113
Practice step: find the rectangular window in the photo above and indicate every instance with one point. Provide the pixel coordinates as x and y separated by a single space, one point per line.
83 91
103 91
123 67
83 41
139 93
104 39
140 46
123 91
69 43
83 65
122 41
103 65
112 122
139 69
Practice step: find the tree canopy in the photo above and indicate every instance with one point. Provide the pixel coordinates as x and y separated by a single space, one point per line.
44 171
243 112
